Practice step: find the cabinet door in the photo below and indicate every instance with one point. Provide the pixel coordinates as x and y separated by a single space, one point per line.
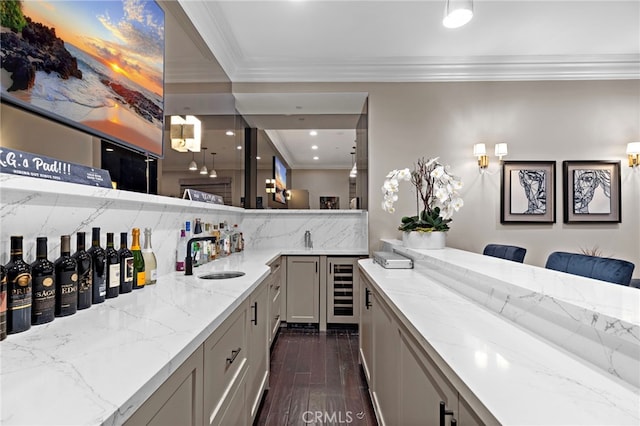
366 329
259 328
342 290
385 362
303 289
178 401
422 388
275 294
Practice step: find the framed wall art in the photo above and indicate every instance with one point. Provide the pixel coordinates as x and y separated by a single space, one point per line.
591 191
527 192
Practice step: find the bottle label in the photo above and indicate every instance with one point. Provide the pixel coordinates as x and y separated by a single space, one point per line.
141 279
128 270
68 288
154 275
21 292
114 275
44 295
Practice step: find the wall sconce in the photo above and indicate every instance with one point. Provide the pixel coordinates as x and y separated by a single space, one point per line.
185 133
633 153
270 186
501 150
287 194
480 151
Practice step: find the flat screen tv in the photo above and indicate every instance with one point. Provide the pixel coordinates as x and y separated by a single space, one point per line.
280 176
96 65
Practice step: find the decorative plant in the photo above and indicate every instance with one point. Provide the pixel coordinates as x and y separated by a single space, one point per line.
437 195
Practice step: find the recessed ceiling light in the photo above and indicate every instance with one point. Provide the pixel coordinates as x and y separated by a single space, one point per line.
314 146
313 133
109 149
229 133
316 158
239 147
258 158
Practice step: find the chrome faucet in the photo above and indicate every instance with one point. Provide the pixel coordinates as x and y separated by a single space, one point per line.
188 261
308 244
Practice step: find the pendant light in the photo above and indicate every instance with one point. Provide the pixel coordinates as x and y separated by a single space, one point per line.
192 165
203 170
213 173
457 13
354 170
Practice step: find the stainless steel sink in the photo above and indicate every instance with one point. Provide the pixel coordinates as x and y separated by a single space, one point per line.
223 275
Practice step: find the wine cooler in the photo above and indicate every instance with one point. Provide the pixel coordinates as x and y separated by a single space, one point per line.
342 290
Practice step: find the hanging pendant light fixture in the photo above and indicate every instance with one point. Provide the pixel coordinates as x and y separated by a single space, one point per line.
354 170
203 170
192 165
213 173
457 13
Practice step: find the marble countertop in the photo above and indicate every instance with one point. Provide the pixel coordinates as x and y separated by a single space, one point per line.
520 377
100 364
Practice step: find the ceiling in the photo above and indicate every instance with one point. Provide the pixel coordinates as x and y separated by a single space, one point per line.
378 41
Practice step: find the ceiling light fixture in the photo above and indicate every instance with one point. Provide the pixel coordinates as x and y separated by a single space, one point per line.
354 170
213 173
203 170
457 13
193 166
316 158
313 133
239 147
185 133
314 146
230 133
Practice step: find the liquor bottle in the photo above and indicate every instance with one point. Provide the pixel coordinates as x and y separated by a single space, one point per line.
84 272
43 283
126 265
181 251
113 268
98 268
150 264
3 303
66 276
18 289
139 276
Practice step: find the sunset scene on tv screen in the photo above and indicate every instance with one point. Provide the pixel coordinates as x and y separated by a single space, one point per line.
96 63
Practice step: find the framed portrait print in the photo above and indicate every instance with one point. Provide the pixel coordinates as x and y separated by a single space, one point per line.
591 191
527 192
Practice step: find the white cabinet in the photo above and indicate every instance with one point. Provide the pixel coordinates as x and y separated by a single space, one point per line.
365 329
276 291
303 289
259 328
178 400
342 290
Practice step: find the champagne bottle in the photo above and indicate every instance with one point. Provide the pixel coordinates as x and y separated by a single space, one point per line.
18 289
126 265
113 268
3 303
139 276
150 264
84 272
43 282
66 277
98 268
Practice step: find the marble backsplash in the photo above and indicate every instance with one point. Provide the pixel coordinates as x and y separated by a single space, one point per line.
35 207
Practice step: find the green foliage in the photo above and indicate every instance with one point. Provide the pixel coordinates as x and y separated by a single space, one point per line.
427 222
11 15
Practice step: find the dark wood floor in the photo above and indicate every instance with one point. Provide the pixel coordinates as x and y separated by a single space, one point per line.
316 380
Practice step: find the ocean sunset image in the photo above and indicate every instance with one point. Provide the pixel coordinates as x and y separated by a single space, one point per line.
95 64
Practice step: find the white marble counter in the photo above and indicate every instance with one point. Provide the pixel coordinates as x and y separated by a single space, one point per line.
518 374
99 365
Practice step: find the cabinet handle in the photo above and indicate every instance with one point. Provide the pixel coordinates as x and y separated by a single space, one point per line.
316 267
444 412
367 301
255 313
234 354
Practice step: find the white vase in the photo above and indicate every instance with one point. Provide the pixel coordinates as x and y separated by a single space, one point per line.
424 240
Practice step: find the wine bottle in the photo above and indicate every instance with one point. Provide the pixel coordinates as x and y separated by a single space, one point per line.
113 268
126 265
84 272
98 268
66 276
181 251
18 289
3 303
150 263
139 276
43 282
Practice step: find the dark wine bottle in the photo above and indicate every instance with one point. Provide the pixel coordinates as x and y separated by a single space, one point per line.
84 272
44 288
98 268
66 276
139 276
126 265
113 268
3 303
18 290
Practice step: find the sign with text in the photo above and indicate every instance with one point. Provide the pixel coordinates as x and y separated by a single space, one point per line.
205 197
23 163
